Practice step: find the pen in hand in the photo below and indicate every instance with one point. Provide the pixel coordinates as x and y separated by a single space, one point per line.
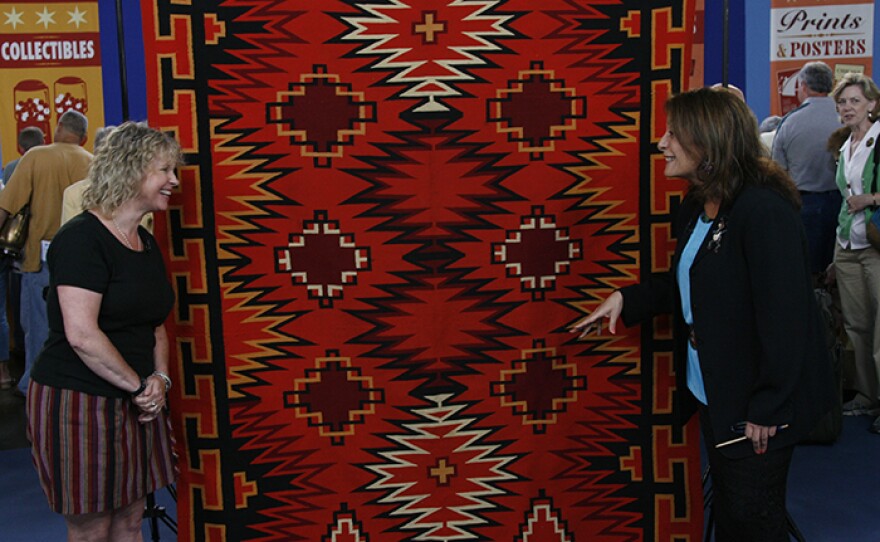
741 427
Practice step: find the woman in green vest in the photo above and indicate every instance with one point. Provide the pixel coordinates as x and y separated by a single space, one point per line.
856 263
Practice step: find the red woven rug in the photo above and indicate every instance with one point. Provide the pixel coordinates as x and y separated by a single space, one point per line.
392 211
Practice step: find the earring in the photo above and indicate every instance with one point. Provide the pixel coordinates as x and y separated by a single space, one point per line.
707 167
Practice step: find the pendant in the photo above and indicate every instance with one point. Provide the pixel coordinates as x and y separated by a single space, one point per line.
719 231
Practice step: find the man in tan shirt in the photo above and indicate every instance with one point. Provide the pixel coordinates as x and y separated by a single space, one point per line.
39 180
71 203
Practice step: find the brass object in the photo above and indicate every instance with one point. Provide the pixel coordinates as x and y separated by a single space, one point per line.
13 234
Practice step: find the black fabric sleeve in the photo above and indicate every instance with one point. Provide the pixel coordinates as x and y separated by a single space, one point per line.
647 299
781 292
76 258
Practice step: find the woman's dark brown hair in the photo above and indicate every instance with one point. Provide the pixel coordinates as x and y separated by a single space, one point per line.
837 139
720 133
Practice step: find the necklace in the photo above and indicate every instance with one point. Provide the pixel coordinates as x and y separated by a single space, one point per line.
122 233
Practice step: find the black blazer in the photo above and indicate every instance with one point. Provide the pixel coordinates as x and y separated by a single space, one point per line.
758 329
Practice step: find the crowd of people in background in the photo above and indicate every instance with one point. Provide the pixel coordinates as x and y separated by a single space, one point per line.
828 145
10 276
38 181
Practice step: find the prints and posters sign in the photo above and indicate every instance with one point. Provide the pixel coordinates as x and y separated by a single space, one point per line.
837 32
50 61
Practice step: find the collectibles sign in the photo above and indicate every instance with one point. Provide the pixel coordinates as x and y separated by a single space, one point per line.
50 61
837 32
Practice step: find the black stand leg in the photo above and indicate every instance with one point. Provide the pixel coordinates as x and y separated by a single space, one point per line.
793 529
707 506
155 513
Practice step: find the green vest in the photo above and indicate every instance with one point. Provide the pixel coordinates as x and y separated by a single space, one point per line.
844 219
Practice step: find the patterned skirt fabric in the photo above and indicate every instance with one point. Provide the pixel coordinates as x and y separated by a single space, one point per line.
92 454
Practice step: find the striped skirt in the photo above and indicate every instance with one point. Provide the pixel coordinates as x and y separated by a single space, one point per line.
92 454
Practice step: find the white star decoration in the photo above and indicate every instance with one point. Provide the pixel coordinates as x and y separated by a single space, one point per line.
13 17
77 17
46 17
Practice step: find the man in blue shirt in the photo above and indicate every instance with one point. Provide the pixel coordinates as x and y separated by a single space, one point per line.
801 147
28 137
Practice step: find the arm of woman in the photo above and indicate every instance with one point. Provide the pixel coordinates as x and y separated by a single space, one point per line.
632 304
781 296
79 309
154 395
859 202
640 302
160 351
610 309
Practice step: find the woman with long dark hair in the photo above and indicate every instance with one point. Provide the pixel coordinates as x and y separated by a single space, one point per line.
749 354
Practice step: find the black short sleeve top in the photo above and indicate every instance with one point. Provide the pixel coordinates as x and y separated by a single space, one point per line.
136 298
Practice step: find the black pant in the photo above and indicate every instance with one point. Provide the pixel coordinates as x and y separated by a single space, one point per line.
749 493
819 211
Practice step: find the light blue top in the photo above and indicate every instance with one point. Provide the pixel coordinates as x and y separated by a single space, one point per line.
694 374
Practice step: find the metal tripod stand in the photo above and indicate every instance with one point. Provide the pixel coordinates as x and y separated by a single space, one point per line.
154 513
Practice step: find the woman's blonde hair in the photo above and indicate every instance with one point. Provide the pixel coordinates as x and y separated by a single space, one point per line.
122 162
867 86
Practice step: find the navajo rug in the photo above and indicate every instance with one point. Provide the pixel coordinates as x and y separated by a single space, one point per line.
391 212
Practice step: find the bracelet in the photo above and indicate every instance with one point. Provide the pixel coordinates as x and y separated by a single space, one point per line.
140 389
165 378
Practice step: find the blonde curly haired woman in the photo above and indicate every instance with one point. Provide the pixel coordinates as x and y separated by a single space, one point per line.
97 417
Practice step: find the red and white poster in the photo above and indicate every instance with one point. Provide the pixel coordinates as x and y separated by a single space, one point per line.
837 32
50 61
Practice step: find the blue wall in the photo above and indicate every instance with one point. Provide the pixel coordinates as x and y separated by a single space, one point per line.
750 49
134 61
